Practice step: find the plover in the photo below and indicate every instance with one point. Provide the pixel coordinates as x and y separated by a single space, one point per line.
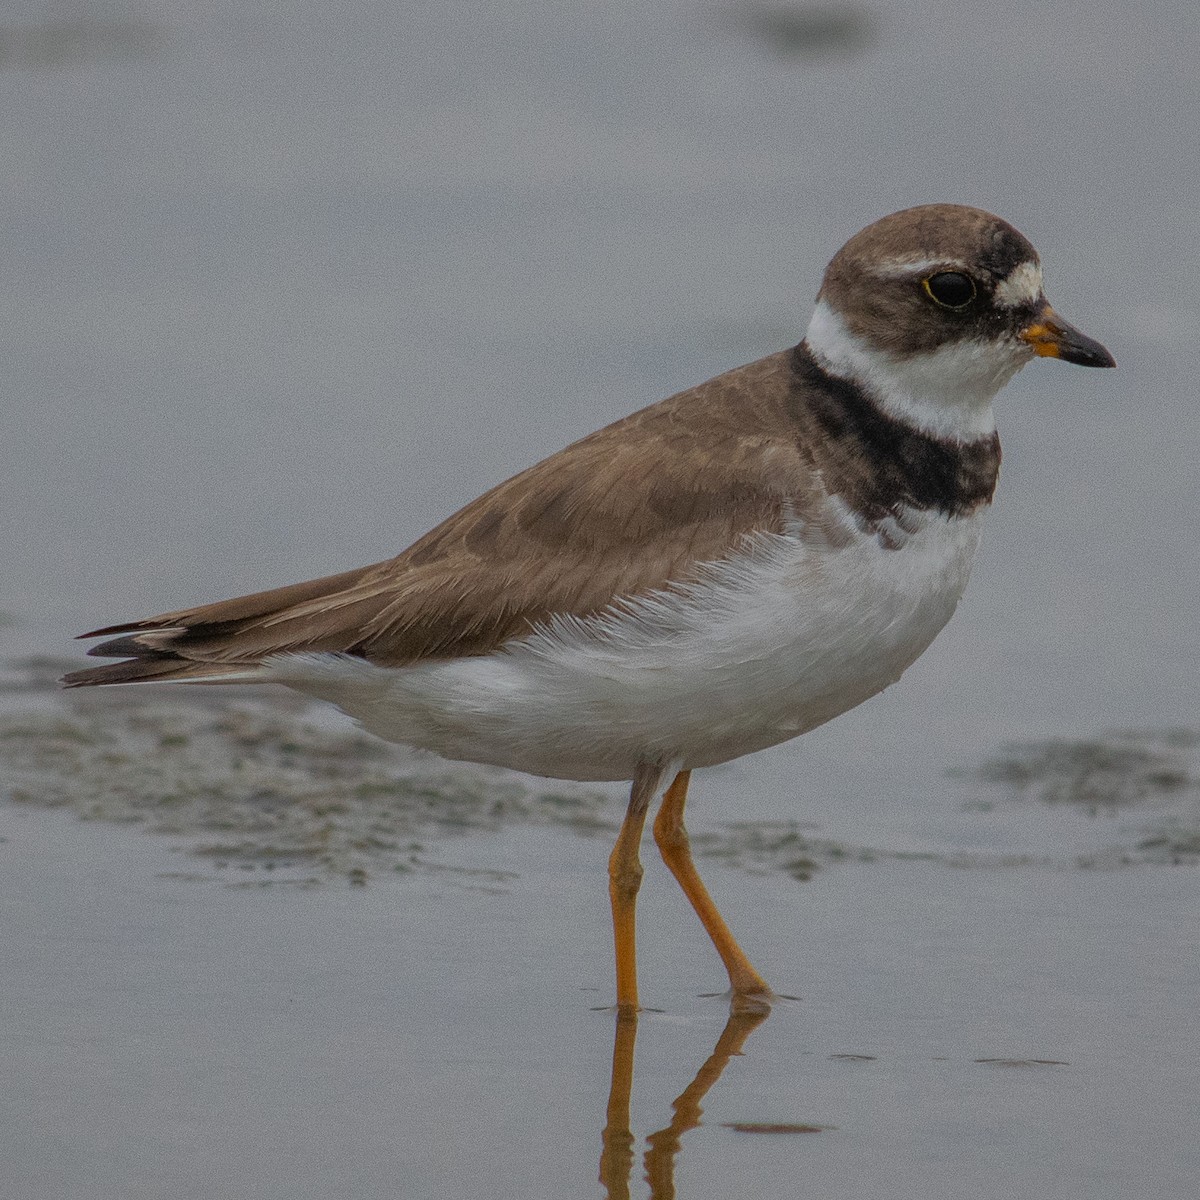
717 573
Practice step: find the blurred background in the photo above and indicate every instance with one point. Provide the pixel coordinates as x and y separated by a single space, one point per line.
284 283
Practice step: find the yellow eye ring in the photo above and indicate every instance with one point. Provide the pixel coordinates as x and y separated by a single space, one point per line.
950 289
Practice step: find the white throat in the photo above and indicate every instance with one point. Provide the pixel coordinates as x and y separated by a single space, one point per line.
947 393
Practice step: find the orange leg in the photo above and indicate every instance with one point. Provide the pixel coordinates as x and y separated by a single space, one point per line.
672 840
624 879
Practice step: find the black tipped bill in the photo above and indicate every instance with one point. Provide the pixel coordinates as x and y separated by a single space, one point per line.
1052 337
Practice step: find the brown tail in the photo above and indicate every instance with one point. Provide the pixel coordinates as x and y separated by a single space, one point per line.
224 640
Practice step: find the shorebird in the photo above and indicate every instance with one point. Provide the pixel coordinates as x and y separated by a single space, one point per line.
717 573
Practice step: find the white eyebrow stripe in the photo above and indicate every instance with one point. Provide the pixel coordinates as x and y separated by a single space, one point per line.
914 266
1022 285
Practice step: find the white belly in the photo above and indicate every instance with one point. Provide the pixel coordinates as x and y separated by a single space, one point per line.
764 647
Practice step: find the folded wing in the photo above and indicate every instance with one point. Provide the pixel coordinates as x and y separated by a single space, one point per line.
630 509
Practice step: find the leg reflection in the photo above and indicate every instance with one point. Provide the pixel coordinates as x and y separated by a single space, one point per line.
616 1159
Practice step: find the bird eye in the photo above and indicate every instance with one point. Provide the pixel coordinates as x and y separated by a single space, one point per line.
950 289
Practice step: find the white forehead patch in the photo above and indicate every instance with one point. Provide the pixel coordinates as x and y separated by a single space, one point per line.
1023 285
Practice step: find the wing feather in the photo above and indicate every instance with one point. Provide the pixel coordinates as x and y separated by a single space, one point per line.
630 509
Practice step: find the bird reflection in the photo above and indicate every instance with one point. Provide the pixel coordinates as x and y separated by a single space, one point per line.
616 1158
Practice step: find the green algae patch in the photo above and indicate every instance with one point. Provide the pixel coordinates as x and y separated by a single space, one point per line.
1099 774
251 786
265 788
1143 786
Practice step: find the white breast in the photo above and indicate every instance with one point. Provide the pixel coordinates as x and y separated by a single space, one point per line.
762 647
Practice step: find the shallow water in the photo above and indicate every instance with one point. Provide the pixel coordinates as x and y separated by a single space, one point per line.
1016 1031
278 290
